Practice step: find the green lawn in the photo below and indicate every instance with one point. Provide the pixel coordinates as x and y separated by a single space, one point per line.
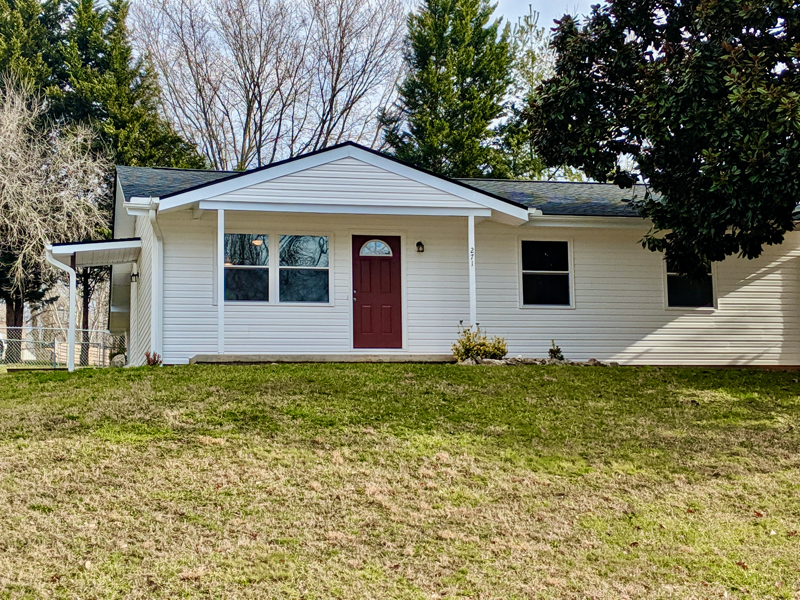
400 481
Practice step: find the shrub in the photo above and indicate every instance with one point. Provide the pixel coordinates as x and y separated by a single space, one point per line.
474 343
153 359
555 351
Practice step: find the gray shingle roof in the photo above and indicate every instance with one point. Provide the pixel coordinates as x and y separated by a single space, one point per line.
564 197
157 181
551 197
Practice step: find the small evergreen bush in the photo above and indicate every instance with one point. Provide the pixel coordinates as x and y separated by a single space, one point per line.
555 351
474 343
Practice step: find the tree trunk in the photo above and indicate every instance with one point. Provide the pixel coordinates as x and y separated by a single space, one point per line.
14 317
87 296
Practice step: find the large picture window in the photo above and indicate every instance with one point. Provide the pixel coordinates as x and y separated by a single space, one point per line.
246 267
303 268
545 274
685 292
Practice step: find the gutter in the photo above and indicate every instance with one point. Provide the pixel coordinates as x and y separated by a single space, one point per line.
156 280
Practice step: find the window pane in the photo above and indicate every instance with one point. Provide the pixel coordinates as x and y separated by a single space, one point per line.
304 251
303 285
247 284
545 256
545 289
375 248
682 291
247 249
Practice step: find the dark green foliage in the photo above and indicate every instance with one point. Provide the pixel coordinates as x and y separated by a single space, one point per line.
459 69
704 96
32 40
108 87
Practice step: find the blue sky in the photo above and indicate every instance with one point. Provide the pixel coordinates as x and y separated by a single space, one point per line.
554 9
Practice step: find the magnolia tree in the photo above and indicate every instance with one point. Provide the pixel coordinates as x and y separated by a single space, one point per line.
50 185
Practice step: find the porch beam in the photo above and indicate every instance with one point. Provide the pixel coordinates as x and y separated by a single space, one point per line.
345 209
473 293
221 281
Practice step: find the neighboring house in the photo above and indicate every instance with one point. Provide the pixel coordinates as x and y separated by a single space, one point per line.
346 252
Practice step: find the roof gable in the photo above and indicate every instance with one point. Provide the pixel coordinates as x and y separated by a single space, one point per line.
368 177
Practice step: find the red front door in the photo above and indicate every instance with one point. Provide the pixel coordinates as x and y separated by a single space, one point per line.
377 300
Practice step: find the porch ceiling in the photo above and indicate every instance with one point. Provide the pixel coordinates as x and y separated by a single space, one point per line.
98 254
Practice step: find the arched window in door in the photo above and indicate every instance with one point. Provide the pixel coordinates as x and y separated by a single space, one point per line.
375 248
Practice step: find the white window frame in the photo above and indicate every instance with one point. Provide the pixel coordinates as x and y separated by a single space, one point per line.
570 274
696 309
274 275
277 277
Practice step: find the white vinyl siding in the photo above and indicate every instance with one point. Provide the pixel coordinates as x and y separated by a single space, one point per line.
349 181
140 332
620 311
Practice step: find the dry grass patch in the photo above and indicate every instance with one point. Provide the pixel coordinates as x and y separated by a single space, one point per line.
340 481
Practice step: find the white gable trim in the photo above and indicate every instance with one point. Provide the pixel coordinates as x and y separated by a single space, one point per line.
208 192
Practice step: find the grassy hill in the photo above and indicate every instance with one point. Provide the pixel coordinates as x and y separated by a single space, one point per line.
400 481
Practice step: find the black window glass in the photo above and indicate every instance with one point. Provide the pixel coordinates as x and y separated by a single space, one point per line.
303 251
685 292
545 256
303 285
247 284
545 289
246 249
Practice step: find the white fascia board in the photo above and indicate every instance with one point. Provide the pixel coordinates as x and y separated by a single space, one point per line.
248 179
344 209
69 249
581 221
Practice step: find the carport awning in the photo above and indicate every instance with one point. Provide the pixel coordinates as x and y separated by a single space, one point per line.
98 254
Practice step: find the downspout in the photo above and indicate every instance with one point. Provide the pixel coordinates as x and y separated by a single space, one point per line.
72 303
157 281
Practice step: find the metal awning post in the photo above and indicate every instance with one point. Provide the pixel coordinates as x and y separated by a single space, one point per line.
73 292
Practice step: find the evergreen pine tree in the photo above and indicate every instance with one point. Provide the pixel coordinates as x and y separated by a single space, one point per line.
117 93
459 70
32 42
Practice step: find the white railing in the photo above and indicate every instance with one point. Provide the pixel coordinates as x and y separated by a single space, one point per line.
47 347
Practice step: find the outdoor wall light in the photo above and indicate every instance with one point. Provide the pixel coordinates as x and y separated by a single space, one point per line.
420 247
134 277
257 242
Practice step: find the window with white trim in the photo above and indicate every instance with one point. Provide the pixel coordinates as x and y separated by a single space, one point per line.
246 267
546 273
686 292
303 269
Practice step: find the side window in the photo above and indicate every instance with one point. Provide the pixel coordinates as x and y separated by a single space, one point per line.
303 269
683 292
246 267
545 274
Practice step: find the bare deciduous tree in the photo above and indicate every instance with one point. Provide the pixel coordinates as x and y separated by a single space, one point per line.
50 185
253 81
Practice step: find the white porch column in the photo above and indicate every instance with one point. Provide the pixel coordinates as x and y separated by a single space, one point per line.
473 293
221 281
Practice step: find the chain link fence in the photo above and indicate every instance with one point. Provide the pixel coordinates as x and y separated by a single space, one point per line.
47 347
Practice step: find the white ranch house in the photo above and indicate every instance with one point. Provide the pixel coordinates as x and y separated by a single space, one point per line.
347 254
